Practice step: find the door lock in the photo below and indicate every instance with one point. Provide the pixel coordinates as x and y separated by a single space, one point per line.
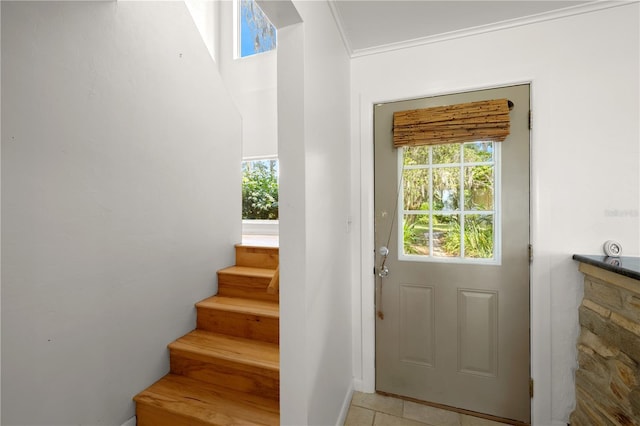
383 271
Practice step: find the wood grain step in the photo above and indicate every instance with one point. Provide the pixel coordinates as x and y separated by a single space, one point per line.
246 282
181 401
231 362
234 316
257 256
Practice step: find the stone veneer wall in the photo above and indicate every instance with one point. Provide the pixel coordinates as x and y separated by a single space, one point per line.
608 375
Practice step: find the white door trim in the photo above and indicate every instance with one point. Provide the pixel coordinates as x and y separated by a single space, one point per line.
364 314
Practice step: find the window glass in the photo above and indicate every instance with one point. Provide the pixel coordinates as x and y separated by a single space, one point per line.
449 202
257 34
260 189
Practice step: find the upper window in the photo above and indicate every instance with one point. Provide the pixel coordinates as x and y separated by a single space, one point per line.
256 33
449 202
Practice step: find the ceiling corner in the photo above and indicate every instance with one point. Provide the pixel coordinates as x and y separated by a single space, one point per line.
339 23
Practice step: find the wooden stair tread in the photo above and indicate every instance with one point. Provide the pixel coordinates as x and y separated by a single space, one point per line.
208 404
249 352
261 308
248 271
227 371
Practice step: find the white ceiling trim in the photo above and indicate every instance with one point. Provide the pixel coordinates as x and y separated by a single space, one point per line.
511 23
336 17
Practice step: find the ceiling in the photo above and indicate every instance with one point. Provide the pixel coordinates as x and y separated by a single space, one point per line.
370 26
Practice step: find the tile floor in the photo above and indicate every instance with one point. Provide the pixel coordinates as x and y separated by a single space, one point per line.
378 410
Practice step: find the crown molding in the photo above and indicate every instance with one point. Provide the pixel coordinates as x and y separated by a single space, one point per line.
481 29
338 20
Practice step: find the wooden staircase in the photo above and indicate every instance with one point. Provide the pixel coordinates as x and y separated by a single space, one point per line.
227 370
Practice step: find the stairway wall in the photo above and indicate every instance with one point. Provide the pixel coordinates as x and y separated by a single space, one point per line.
120 149
252 82
315 290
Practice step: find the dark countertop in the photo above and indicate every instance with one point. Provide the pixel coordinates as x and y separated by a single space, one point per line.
623 265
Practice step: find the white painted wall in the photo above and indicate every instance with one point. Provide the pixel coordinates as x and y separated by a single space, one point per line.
585 155
252 82
0 222
120 146
313 126
204 14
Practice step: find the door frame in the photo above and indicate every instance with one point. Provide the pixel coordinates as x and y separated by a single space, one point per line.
364 263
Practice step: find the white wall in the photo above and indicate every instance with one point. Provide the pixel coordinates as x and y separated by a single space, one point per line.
313 120
252 82
204 14
585 155
0 224
120 147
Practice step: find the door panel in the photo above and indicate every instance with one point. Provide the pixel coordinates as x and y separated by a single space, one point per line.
454 332
478 332
417 325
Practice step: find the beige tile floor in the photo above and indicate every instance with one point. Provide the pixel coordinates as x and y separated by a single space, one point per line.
378 410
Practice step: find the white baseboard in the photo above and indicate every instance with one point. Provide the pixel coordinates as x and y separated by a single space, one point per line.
345 406
359 386
130 422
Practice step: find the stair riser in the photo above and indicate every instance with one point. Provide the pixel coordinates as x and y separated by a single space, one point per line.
244 281
229 374
257 257
240 325
257 294
182 401
148 415
245 286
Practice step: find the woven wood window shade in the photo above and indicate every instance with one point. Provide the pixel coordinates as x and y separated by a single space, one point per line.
473 121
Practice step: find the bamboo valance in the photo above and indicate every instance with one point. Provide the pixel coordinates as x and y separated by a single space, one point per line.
473 121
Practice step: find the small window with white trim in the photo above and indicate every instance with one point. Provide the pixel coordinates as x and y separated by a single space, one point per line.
449 202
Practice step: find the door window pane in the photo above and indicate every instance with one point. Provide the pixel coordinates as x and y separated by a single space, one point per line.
416 189
478 236
446 188
478 151
415 230
414 155
446 154
446 235
478 187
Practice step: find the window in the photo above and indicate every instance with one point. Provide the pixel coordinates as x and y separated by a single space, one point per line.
449 202
256 33
260 189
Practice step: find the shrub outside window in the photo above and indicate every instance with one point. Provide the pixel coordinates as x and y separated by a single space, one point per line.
260 189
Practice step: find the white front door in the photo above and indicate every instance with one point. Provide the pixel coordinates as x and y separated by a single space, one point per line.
453 327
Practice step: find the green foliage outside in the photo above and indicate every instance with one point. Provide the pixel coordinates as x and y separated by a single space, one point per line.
478 238
260 190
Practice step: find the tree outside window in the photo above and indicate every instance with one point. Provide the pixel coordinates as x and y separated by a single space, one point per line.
257 34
